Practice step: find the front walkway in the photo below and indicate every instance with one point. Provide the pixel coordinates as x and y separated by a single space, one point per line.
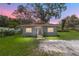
66 48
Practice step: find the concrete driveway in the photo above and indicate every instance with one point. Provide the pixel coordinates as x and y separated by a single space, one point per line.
67 48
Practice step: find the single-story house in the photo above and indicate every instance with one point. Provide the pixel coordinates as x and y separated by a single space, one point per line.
39 29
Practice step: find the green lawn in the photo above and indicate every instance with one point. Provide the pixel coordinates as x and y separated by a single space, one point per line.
17 45
53 38
71 35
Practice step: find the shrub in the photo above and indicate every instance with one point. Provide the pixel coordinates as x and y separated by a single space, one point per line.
63 30
8 33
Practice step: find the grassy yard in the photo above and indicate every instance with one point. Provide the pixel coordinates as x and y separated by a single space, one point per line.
17 45
53 38
71 35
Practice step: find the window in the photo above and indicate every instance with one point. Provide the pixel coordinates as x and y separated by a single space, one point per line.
29 30
50 29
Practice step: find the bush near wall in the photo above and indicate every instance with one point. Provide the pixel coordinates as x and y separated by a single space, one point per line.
8 31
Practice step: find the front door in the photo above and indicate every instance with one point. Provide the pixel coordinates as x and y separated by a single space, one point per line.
39 31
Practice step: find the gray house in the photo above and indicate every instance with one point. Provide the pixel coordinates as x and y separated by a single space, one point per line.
39 29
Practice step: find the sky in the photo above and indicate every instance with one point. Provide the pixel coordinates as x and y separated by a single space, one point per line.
72 8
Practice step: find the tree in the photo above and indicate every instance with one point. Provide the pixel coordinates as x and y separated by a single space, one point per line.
70 21
23 14
73 21
12 23
48 10
66 25
3 21
63 24
8 22
43 11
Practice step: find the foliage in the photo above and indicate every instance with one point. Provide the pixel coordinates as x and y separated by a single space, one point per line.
8 22
3 21
4 31
74 20
9 33
63 24
42 11
47 10
70 22
22 14
12 23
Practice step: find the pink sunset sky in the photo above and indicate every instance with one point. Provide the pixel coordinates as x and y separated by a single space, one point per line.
7 10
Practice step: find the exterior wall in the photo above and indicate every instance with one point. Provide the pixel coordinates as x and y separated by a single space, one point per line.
46 33
34 31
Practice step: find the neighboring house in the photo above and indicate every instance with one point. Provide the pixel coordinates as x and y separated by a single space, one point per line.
39 29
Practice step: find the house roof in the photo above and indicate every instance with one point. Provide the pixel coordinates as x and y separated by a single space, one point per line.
28 25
